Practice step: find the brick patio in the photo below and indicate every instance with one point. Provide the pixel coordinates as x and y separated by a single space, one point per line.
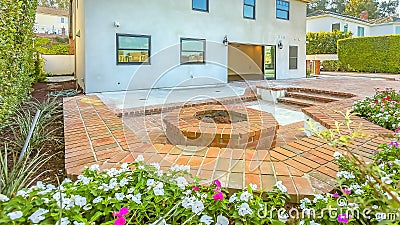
94 134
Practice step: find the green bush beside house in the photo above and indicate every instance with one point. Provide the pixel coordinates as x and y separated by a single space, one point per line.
324 42
370 54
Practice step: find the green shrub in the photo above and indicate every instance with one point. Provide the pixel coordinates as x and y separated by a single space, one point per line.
371 54
335 65
17 18
324 42
52 46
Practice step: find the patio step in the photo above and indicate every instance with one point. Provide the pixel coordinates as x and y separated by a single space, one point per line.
298 101
313 96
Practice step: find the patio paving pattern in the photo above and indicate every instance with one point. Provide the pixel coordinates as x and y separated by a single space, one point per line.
95 134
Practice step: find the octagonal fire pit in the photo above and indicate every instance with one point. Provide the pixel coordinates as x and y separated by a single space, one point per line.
221 126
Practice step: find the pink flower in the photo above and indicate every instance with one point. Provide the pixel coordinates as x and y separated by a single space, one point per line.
120 221
195 188
394 144
397 130
218 183
343 218
382 109
336 195
122 212
218 196
346 191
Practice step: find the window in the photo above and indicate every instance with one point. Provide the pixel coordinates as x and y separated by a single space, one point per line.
62 20
193 50
293 57
133 49
249 9
360 31
397 31
346 27
200 5
335 26
282 9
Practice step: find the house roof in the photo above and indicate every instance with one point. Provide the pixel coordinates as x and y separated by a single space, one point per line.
389 19
326 13
52 11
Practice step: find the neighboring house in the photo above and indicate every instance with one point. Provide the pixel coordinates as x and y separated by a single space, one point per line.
141 44
330 21
51 21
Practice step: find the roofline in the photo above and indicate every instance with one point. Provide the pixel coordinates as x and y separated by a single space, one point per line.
340 17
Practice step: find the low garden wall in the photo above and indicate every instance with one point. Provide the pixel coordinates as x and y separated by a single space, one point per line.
59 64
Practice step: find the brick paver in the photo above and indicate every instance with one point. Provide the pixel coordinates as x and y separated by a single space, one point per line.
94 134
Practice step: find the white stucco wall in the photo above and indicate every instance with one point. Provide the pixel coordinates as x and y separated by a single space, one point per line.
169 20
318 24
49 24
59 64
80 55
383 29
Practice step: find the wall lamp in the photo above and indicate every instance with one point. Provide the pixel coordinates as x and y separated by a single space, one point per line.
280 45
225 41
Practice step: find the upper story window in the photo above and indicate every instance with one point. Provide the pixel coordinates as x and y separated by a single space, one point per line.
133 49
193 50
336 26
293 55
346 27
397 30
249 9
360 31
282 9
200 5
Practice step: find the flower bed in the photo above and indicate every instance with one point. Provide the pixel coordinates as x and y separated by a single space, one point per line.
138 194
370 195
383 109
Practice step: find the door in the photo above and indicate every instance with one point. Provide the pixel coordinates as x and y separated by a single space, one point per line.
269 62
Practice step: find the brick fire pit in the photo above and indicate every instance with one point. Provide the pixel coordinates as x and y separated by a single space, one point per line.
221 126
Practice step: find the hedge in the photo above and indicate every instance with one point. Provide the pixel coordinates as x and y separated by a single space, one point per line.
17 18
371 54
324 42
52 46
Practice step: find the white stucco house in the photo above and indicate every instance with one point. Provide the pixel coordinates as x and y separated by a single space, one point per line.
51 21
330 21
142 44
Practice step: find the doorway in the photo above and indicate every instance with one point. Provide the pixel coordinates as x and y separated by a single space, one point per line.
269 62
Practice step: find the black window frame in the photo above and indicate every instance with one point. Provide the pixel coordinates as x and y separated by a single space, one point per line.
291 57
202 10
133 35
276 10
254 10
335 25
192 39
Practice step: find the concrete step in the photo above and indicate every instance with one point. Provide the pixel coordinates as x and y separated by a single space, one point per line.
299 102
318 97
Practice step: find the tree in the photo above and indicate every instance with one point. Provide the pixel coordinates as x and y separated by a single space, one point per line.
59 4
388 8
338 6
317 5
355 7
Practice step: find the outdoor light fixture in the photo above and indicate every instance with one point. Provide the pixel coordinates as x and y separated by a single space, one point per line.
116 24
280 45
225 41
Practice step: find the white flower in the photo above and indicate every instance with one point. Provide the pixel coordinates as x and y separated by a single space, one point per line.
137 198
124 167
87 207
119 196
131 190
94 167
233 198
337 155
222 220
319 197
253 187
83 179
181 182
244 209
150 182
80 201
187 202
380 216
345 174
123 182
139 158
197 207
159 189
46 200
15 215
397 162
37 216
245 196
281 187
387 180
206 219
63 221
304 202
40 185
312 222
4 198
302 222
22 193
77 223
97 200
155 165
